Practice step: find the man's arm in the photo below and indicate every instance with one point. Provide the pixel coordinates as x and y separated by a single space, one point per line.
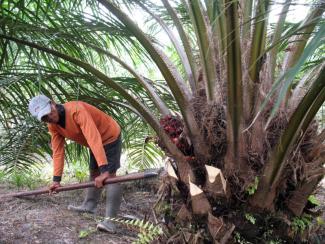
94 140
57 142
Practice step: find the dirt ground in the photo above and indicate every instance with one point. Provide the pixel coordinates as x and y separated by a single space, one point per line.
46 219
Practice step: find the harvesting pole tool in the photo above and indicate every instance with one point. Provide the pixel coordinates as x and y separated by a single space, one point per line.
123 178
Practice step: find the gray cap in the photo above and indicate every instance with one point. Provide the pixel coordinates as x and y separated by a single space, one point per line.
39 106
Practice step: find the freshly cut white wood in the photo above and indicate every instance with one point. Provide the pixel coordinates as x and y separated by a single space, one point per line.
215 184
199 202
194 189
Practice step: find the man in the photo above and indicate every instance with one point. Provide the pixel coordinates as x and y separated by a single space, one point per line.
88 126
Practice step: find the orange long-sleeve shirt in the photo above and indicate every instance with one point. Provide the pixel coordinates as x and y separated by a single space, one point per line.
86 125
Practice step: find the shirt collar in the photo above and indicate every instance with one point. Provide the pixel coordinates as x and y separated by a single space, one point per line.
61 112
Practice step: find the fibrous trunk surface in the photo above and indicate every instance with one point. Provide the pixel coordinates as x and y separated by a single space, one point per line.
219 207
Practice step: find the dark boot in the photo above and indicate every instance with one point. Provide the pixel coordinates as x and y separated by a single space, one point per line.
91 200
113 202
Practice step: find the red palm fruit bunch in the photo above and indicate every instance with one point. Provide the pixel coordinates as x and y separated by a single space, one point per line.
173 126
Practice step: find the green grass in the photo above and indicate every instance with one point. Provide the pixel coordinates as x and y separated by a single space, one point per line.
77 171
36 178
30 180
2 176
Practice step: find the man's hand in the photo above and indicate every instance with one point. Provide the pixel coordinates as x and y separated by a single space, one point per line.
53 187
99 180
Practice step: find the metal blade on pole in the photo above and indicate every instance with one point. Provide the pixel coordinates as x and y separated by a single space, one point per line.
124 178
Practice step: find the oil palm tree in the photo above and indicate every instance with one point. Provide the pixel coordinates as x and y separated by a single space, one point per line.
230 108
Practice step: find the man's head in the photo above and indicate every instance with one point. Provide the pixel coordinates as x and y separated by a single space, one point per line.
42 108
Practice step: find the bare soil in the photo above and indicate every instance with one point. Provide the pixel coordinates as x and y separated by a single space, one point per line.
46 219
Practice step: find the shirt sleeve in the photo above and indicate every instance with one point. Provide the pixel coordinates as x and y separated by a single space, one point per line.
57 142
92 135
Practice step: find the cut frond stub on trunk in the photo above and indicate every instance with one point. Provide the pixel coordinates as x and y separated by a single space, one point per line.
214 224
215 183
183 215
171 172
200 203
219 230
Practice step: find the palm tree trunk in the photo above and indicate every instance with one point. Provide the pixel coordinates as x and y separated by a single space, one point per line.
297 202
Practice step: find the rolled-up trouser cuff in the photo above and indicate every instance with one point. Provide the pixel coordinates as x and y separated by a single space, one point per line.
57 178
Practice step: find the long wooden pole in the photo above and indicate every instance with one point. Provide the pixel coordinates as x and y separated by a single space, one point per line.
124 178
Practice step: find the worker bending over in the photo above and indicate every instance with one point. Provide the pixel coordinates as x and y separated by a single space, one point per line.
90 127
